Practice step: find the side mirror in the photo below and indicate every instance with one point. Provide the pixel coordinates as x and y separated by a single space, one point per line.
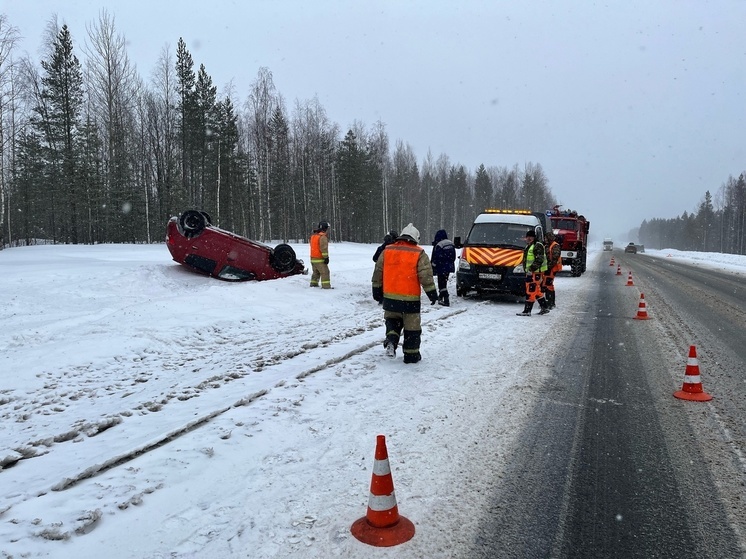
457 242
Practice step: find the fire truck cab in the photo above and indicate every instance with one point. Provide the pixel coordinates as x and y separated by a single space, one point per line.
571 230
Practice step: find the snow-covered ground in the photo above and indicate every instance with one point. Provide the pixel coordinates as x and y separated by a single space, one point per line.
150 412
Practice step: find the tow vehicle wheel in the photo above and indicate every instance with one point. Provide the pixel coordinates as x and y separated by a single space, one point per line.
283 258
192 222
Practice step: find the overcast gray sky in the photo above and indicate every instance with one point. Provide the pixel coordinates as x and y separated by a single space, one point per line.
633 108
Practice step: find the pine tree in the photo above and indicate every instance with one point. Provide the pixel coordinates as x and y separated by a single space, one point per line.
482 189
187 107
349 173
281 196
228 196
58 120
205 141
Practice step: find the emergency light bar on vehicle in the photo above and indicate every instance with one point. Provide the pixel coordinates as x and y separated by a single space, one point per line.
499 211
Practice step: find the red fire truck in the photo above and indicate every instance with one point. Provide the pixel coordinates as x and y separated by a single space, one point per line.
571 230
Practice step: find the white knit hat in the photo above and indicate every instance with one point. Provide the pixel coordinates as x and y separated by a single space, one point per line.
411 231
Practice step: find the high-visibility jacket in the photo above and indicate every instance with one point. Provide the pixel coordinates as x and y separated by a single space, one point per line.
401 270
533 256
319 247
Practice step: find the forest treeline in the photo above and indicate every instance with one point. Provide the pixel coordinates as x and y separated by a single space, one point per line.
713 227
92 153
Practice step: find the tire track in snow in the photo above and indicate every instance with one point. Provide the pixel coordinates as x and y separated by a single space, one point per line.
344 346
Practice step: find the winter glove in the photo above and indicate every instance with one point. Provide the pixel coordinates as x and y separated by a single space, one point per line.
326 260
378 294
433 296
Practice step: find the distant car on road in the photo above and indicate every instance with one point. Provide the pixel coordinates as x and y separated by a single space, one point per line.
194 242
631 248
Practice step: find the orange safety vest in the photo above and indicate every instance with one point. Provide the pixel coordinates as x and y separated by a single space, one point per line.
558 265
400 279
316 254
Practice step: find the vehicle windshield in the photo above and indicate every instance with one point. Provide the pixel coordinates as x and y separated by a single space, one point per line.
567 224
510 235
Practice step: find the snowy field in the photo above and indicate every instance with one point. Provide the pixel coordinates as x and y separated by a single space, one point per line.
150 412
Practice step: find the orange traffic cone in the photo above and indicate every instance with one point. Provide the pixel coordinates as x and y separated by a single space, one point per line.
612 261
619 270
692 388
642 311
382 526
629 279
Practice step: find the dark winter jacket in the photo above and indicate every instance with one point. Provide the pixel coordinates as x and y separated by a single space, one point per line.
387 240
444 254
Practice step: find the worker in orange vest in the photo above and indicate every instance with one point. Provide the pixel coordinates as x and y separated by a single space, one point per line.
320 256
554 265
401 269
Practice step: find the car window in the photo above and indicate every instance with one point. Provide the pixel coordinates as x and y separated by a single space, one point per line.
235 274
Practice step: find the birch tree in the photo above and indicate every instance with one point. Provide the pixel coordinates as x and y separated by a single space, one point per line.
9 37
113 87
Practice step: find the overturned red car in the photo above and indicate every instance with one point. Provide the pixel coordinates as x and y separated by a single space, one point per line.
194 242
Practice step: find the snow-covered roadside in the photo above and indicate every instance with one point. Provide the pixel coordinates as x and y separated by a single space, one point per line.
258 405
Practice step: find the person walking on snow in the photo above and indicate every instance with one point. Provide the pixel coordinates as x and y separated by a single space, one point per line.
554 265
320 256
400 271
534 264
443 258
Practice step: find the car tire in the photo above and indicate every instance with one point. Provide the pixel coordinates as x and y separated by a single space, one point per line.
283 258
192 222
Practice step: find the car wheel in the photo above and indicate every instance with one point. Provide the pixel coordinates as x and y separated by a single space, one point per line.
283 258
192 222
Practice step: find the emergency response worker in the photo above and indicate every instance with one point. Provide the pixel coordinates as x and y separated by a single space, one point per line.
554 265
534 264
443 258
389 238
320 256
400 271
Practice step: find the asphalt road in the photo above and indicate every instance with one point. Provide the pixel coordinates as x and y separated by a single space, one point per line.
613 465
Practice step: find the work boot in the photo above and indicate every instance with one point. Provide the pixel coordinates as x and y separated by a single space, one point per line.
412 357
390 349
526 309
544 306
550 299
444 300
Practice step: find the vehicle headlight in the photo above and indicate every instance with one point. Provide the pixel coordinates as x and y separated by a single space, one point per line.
518 269
463 264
